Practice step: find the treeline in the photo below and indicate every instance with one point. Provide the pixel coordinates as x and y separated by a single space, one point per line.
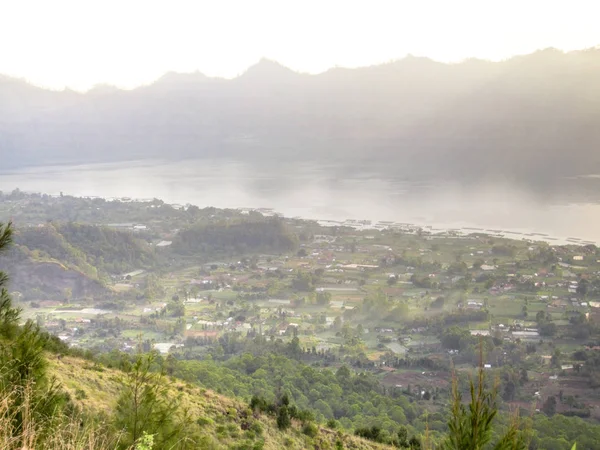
285 412
32 407
235 237
34 410
89 248
72 261
112 251
440 322
356 400
47 243
149 413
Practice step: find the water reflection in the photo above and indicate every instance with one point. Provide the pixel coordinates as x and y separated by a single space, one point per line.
327 191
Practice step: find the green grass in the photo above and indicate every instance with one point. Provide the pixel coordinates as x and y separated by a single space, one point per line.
146 334
221 418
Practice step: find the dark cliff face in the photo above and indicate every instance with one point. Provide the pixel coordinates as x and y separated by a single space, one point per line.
533 116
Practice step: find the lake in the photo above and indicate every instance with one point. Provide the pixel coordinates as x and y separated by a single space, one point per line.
569 208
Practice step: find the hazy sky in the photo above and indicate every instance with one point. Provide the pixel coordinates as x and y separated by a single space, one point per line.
79 43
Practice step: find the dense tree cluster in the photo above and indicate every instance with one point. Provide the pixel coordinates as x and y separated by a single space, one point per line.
87 247
109 250
356 400
235 237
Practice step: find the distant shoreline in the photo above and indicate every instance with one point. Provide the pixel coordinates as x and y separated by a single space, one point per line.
368 224
465 231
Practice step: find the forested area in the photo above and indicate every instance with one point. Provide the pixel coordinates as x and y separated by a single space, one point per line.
240 237
357 337
91 248
109 250
148 411
67 260
47 243
357 401
38 412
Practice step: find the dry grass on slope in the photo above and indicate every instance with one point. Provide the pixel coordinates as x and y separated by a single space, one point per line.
66 434
225 423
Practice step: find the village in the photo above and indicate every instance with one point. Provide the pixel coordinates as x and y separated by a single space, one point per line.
403 301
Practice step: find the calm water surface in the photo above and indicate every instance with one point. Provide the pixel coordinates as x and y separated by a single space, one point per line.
318 191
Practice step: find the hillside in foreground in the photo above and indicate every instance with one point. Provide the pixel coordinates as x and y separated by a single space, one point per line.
224 423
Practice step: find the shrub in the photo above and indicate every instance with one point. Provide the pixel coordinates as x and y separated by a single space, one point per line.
257 428
283 418
310 429
333 424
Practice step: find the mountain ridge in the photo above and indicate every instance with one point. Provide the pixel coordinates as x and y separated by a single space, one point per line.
264 63
533 116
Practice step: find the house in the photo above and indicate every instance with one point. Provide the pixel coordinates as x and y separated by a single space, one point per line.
282 329
280 301
244 327
205 282
202 333
120 225
165 347
480 332
324 238
526 335
472 304
558 304
593 317
209 323
130 275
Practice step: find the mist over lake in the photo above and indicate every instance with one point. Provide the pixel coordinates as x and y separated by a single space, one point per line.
510 145
318 190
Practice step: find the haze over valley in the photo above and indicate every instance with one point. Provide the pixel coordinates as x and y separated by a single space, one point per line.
510 145
300 225
531 119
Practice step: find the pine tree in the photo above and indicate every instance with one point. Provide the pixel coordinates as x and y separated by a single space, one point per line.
9 316
283 418
403 437
23 366
470 428
144 408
